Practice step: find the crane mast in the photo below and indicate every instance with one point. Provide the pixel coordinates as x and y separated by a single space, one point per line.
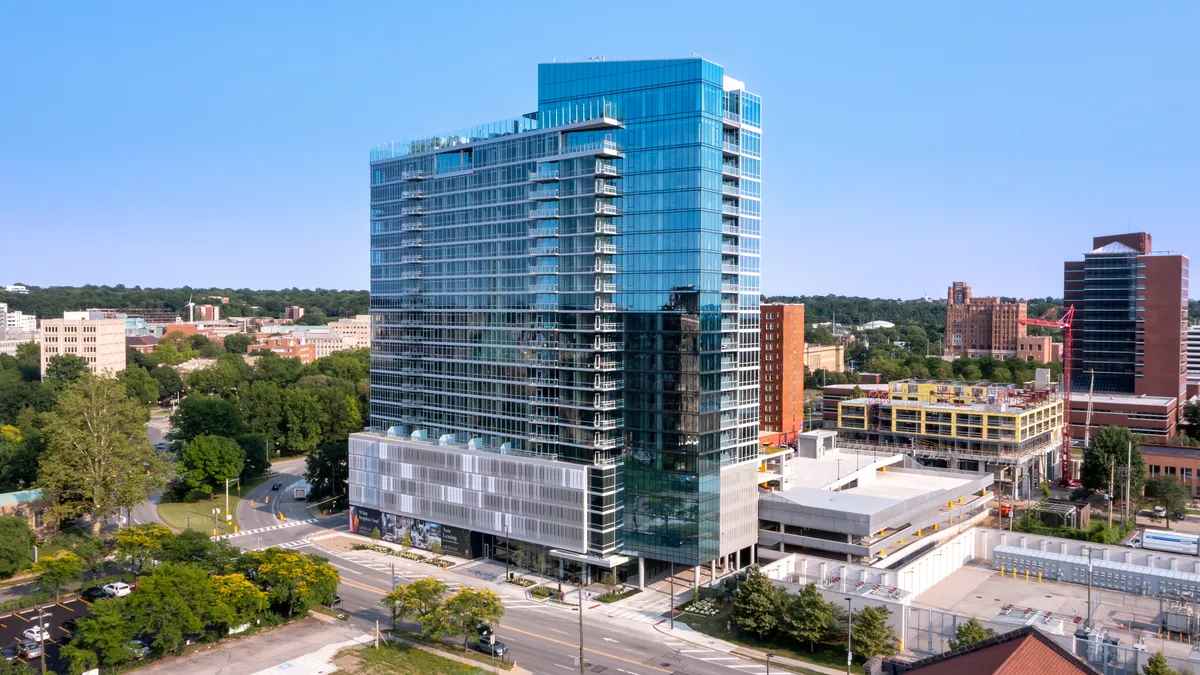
1047 320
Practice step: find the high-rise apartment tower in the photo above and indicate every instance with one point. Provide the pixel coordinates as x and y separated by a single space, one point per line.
565 309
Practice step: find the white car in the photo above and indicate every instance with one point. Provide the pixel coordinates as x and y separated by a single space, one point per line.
1160 511
117 590
37 633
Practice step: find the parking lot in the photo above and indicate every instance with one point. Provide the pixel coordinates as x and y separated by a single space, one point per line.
12 627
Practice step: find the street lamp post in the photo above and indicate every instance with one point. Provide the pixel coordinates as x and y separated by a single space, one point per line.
581 628
849 633
1089 595
506 551
769 657
672 595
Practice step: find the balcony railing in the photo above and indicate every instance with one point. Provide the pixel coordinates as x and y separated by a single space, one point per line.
606 287
544 174
731 147
607 169
605 365
606 307
604 424
729 228
730 269
730 288
608 249
731 170
606 227
607 385
408 259
606 326
603 147
545 192
607 189
412 194
411 275
413 226
416 210
606 268
419 174
733 117
411 243
544 213
606 209
605 443
605 404
609 346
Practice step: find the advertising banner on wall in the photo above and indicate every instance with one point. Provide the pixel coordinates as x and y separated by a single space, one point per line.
455 541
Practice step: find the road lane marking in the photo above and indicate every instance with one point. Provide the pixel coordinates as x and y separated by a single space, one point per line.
587 649
346 569
566 667
559 631
691 651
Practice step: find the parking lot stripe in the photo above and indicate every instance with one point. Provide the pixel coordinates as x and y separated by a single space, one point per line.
63 606
21 617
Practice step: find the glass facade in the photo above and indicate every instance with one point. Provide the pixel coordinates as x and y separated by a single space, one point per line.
1107 333
581 285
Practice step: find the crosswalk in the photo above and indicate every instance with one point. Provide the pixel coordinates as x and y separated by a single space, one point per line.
714 657
269 528
299 543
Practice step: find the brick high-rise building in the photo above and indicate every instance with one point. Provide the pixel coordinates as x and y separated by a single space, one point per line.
981 326
781 397
1130 328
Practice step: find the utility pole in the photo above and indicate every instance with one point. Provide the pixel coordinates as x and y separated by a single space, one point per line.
581 627
42 641
506 551
1112 478
1089 595
672 595
1128 476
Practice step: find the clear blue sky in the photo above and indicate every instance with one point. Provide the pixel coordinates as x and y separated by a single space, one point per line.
906 145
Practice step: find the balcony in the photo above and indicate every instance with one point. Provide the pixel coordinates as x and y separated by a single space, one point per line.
607 385
731 190
606 287
543 231
731 148
544 192
606 268
419 174
544 174
728 403
605 365
730 228
607 169
605 443
730 269
544 419
415 210
731 209
544 213
606 307
609 346
604 424
543 437
606 209
411 243
412 194
411 275
731 170
733 117
607 249
410 259
606 326
604 148
731 249
605 188
729 288
605 226
413 226
729 307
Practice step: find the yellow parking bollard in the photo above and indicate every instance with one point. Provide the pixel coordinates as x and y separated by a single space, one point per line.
1002 570
267 499
281 515
1026 574
235 529
1039 577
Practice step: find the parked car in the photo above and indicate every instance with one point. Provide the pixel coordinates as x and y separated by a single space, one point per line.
37 633
93 594
29 650
70 625
484 630
9 653
160 446
277 486
139 649
118 589
490 648
1159 512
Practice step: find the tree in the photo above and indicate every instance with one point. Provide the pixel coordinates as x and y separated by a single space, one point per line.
540 563
205 416
54 573
260 404
375 535
173 601
436 549
325 469
808 617
969 633
819 335
468 608
1191 415
29 361
169 382
64 370
208 461
104 634
237 343
94 551
414 601
275 368
303 420
16 544
99 457
190 547
1169 494
293 581
872 634
1109 445
242 600
756 605
1045 489
140 544
255 449
517 556
406 540
139 385
1157 665
610 581
220 380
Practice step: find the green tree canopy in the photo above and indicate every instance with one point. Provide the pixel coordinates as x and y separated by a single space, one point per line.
256 449
326 470
969 633
54 573
139 385
173 601
208 461
102 637
872 633
64 370
16 545
260 404
205 416
304 420
140 544
756 605
468 608
414 601
237 343
169 381
98 457
1110 446
293 581
242 600
1157 665
809 618
1166 492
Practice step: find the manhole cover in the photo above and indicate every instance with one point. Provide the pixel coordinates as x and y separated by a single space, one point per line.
979 597
599 669
664 665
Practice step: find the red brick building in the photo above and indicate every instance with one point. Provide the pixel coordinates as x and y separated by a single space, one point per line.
781 373
981 326
1039 349
1173 460
1155 417
287 347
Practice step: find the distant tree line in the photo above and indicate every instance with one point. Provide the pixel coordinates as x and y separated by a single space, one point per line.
321 305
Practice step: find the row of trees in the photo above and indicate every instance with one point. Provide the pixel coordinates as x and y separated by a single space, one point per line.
54 300
768 611
899 364
424 602
195 589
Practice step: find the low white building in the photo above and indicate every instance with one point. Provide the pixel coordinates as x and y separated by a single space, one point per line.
17 289
357 331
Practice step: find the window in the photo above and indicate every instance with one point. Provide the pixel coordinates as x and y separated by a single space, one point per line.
1187 473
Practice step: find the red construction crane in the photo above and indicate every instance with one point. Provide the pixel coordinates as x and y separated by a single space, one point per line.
1065 324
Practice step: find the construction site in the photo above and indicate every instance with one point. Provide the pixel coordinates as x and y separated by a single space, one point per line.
1014 434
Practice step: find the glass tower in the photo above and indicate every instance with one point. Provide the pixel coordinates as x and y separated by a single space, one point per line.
578 286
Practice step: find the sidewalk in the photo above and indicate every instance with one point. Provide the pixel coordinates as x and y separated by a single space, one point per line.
687 634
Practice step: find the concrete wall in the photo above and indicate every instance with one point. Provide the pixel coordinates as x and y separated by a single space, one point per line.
988 539
739 506
839 582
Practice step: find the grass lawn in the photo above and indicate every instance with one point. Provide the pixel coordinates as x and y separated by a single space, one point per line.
833 656
176 514
400 659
